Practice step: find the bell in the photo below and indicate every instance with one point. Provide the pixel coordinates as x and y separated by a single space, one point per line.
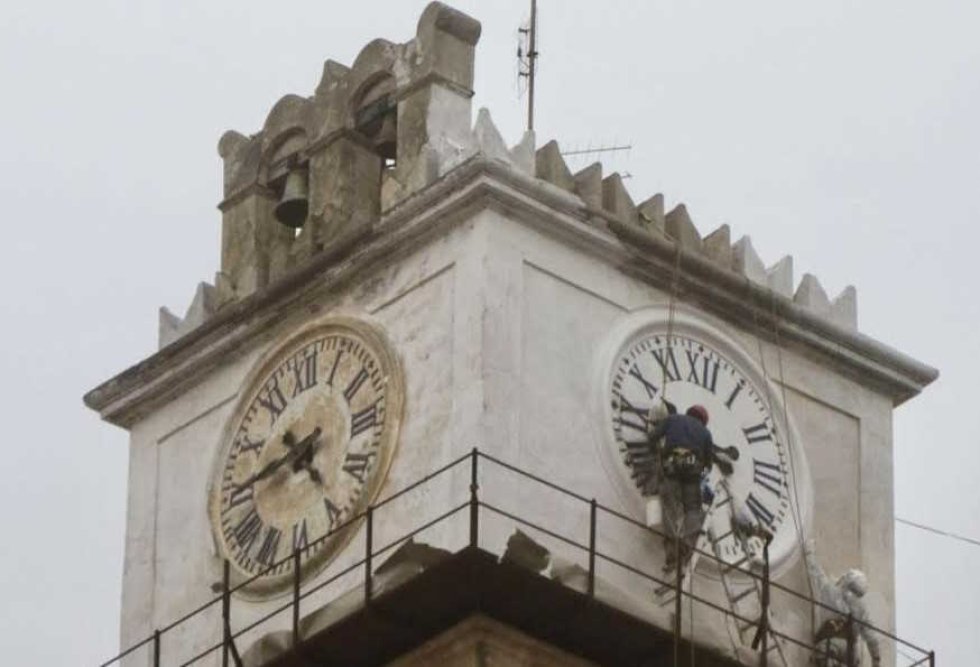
294 203
386 140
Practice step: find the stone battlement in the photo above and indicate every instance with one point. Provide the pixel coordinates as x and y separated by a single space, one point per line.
387 127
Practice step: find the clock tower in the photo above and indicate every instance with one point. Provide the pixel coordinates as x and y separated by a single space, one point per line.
408 420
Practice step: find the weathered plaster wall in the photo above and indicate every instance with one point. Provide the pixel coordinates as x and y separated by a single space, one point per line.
549 308
499 324
425 301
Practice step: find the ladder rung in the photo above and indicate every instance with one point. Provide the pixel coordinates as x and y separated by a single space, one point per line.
744 594
733 566
719 539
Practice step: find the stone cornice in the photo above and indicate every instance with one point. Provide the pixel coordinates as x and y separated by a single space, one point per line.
484 183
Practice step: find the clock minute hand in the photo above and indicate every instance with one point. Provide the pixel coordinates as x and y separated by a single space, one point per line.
730 452
304 452
295 452
269 468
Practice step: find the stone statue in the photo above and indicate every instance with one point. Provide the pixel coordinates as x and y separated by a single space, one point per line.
846 596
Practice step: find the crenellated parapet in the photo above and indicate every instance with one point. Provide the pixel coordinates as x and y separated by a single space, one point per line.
607 197
325 168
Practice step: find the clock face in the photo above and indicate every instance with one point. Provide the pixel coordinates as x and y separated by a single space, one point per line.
689 367
306 449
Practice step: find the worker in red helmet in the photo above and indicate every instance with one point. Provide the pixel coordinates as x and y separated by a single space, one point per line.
698 412
685 449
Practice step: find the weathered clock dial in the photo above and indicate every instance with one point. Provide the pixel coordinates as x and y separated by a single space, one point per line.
306 449
696 364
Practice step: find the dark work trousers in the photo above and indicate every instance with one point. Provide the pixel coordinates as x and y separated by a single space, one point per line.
683 516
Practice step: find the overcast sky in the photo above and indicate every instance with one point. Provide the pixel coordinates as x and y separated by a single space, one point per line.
844 133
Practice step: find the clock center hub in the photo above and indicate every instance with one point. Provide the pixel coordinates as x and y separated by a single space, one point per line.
311 463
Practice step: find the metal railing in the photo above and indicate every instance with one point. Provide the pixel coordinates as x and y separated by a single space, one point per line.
230 654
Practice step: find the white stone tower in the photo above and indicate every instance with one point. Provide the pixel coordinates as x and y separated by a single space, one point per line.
397 287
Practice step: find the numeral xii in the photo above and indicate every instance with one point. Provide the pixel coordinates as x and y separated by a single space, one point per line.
702 370
304 372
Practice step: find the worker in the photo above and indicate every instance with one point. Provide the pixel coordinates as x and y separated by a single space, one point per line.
846 598
685 454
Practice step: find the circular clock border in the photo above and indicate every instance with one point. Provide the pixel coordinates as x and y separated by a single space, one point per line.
375 337
689 322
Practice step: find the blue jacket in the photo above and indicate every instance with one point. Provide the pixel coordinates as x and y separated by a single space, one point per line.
686 432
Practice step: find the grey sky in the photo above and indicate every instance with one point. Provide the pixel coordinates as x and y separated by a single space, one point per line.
843 133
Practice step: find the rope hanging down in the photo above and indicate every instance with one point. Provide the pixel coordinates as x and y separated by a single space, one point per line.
795 505
671 310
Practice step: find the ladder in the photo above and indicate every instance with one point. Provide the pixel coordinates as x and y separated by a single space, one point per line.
743 594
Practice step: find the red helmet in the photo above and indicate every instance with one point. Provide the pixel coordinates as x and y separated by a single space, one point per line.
699 413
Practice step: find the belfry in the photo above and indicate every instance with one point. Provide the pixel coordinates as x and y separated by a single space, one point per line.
415 418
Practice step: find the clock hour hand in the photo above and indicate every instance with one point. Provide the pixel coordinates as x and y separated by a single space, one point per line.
724 464
304 452
297 451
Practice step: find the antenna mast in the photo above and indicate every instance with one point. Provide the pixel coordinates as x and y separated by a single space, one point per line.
532 55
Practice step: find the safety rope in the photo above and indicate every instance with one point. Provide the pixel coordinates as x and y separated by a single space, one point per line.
690 615
795 513
671 311
797 517
678 610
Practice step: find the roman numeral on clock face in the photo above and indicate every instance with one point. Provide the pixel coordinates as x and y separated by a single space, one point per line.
304 372
356 465
631 416
668 364
760 511
757 433
650 388
363 420
240 496
271 399
355 385
270 545
734 394
333 369
300 537
245 445
247 530
768 476
702 370
334 513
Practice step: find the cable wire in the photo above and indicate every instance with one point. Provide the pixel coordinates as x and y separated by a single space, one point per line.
943 533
